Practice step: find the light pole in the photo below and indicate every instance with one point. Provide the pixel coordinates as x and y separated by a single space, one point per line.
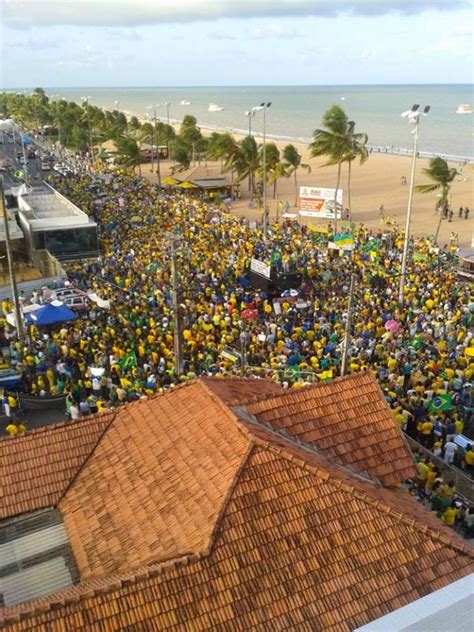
168 105
16 302
413 116
347 334
250 114
158 170
264 107
85 101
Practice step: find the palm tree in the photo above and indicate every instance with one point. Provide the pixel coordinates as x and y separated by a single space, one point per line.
223 147
442 176
181 154
334 142
292 161
359 151
128 153
275 169
247 161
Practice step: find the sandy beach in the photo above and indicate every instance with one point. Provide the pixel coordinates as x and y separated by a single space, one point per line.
374 183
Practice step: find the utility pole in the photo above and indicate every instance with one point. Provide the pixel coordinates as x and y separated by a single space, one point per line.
414 118
243 353
347 335
16 302
178 359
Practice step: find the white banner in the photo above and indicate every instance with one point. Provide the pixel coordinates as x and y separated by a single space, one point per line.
319 202
260 268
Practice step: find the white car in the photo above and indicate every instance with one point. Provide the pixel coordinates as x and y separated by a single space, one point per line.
45 166
77 303
67 292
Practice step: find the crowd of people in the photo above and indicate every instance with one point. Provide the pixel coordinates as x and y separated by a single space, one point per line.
422 352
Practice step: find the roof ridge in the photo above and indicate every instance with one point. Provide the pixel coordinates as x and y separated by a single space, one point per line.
280 433
400 517
87 459
228 497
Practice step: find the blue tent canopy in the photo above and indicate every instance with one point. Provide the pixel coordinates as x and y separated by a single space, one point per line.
26 140
50 315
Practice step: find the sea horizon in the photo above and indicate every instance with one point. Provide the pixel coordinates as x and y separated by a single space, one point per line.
297 110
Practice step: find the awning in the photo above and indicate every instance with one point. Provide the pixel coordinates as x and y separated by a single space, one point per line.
170 182
187 185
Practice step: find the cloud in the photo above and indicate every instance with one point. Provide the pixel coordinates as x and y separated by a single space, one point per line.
131 13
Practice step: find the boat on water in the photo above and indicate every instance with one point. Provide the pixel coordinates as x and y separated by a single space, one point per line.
213 107
184 102
464 108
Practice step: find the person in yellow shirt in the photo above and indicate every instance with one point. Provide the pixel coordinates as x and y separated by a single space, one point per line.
423 470
469 459
12 429
427 433
447 490
450 514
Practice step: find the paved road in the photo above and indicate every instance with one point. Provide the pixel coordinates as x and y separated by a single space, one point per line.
12 150
36 419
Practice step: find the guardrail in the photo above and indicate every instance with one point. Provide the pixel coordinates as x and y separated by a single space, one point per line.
463 483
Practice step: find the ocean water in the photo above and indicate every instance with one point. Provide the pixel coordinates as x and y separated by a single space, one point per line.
296 110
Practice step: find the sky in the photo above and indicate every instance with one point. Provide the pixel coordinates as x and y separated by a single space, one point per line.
105 43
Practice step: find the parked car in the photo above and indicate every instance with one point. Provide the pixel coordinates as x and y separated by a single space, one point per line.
45 166
67 292
77 303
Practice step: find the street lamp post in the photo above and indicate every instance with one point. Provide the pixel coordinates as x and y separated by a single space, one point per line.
413 116
86 101
158 170
16 302
250 114
264 107
168 105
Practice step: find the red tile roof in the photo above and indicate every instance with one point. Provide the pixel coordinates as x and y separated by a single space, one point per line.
36 468
262 532
235 390
348 419
294 547
154 486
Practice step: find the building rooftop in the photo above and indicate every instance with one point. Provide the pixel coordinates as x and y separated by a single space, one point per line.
187 511
45 208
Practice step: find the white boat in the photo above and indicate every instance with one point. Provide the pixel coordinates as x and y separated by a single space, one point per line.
184 102
464 108
214 108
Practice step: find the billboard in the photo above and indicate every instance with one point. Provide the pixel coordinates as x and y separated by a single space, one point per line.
319 203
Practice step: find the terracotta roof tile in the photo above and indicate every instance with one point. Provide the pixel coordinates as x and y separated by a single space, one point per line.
234 391
154 486
36 468
280 538
295 547
348 419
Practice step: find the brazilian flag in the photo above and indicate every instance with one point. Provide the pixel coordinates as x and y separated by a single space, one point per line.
276 256
441 402
372 245
19 174
128 361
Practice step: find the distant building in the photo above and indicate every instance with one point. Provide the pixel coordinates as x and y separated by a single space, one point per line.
50 221
225 504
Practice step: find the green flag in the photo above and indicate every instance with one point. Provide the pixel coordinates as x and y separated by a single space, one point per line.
441 402
128 361
276 256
